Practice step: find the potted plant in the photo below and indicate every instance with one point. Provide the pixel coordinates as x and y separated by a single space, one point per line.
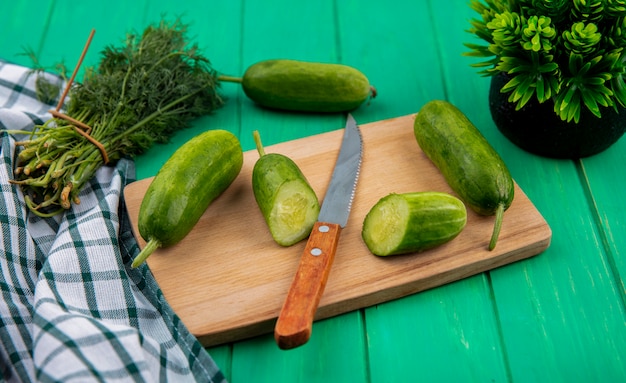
557 67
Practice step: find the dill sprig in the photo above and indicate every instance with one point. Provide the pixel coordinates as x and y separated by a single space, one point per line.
139 94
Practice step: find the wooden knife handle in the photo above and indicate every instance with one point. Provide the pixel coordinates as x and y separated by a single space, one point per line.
295 321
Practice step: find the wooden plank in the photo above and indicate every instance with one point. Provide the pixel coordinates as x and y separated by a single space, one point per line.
395 48
607 197
448 333
250 294
20 30
449 336
562 304
609 207
302 31
322 359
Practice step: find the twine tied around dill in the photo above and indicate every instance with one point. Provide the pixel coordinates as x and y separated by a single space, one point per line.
80 128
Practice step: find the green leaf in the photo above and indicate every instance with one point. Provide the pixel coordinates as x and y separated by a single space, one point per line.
540 89
619 90
525 98
549 67
521 89
574 110
575 61
568 97
595 81
511 84
590 103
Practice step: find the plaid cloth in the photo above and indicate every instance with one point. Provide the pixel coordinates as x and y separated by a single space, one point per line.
72 309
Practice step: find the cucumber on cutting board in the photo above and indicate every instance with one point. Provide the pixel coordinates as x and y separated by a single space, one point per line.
305 86
470 165
197 173
412 222
286 200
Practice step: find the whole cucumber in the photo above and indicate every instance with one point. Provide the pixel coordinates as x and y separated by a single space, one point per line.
285 197
470 165
412 222
305 86
197 173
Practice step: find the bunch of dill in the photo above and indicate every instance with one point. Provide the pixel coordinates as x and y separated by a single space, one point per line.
139 94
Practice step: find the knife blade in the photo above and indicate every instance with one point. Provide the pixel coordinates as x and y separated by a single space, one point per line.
295 321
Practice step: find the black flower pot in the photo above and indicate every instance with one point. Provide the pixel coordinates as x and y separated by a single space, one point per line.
537 129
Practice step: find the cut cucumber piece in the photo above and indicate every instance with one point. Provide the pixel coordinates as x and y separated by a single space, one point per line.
412 222
288 203
293 213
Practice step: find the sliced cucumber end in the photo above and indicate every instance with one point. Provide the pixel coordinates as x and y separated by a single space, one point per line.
294 213
385 225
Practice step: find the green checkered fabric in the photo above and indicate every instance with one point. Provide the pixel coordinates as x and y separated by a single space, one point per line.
72 309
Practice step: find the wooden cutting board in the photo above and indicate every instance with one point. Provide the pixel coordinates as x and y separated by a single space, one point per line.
227 279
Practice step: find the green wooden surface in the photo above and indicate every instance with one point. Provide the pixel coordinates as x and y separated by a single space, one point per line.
557 317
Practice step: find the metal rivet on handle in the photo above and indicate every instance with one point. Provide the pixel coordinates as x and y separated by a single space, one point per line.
324 229
316 251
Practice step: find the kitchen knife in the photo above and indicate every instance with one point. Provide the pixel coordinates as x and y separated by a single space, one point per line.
295 321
